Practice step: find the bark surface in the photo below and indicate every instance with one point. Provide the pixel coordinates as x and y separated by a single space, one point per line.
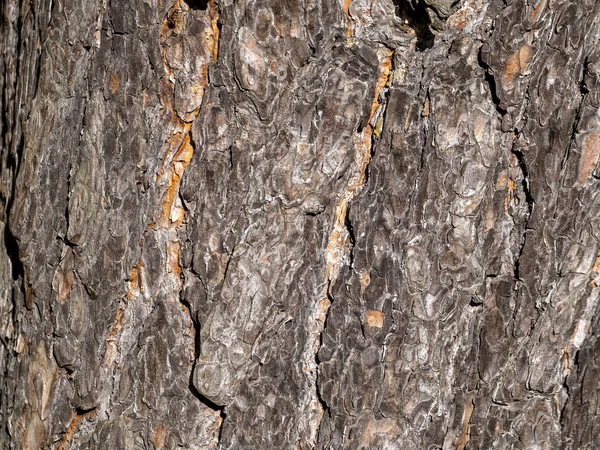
283 224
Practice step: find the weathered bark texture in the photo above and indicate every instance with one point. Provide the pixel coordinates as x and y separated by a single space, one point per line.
281 224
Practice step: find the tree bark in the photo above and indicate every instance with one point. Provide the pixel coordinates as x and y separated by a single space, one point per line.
281 224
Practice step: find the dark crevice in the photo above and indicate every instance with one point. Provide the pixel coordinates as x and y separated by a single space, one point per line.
13 161
583 91
201 5
230 150
561 412
204 400
382 104
525 182
383 99
479 374
114 33
227 265
196 326
324 406
67 242
313 213
65 239
223 416
491 81
361 126
517 264
197 341
197 348
425 131
10 241
330 298
210 404
12 250
475 302
414 13
83 411
351 236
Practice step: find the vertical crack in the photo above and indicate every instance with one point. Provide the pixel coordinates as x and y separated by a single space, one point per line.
351 238
583 92
414 13
177 161
169 219
489 78
525 182
65 238
11 242
518 155
201 5
424 143
521 163
13 161
338 252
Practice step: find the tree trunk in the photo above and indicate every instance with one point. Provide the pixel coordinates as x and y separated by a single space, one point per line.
283 224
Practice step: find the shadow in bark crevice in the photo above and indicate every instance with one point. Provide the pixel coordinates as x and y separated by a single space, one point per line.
201 5
414 13
488 74
209 403
11 243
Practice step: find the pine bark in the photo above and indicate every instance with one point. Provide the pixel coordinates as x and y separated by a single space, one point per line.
281 224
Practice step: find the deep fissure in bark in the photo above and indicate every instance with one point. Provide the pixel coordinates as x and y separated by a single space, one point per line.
10 241
525 185
322 402
201 5
12 250
206 401
491 82
583 92
414 13
65 238
525 182
13 160
352 238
